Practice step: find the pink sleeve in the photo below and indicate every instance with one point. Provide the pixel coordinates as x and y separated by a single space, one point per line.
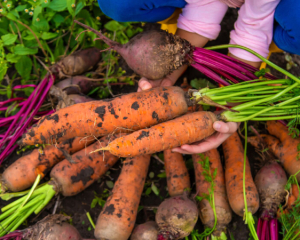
254 28
202 17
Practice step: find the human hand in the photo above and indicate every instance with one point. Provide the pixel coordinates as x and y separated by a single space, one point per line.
286 28
223 131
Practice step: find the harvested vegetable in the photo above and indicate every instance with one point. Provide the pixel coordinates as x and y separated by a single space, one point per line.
145 231
52 227
23 172
234 164
178 179
270 182
69 177
283 146
176 217
154 54
97 118
116 220
186 129
78 62
76 85
214 210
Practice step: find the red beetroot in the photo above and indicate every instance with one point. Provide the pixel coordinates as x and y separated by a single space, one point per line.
76 84
78 62
145 231
52 227
176 217
270 182
156 53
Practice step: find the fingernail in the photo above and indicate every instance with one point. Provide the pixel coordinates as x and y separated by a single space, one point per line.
217 126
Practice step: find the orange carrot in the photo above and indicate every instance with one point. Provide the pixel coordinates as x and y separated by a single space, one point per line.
84 169
234 166
178 179
186 87
69 177
97 118
295 190
23 172
186 129
287 149
223 211
117 219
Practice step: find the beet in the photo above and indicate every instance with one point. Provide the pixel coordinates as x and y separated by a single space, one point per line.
78 62
145 231
152 54
176 217
270 182
52 227
76 84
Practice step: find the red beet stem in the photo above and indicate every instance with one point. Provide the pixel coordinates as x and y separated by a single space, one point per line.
11 100
259 228
16 129
264 230
273 226
24 86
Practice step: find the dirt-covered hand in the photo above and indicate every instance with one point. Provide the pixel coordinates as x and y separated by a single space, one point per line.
223 131
145 84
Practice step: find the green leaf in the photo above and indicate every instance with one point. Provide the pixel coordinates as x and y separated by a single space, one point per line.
21 50
154 189
58 19
11 17
20 8
48 35
12 58
94 203
113 26
3 69
71 3
201 83
79 7
9 39
41 25
36 12
110 184
24 66
151 174
58 5
162 175
148 191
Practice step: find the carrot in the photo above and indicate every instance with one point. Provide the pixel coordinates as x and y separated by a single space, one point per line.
23 172
287 149
186 129
234 161
130 112
69 177
186 87
270 142
295 190
177 174
205 165
117 219
85 168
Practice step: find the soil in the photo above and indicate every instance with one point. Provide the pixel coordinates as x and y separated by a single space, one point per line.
77 206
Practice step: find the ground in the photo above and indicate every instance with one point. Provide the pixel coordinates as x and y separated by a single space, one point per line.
77 206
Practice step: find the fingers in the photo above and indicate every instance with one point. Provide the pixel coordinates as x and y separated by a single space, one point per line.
224 130
223 127
145 84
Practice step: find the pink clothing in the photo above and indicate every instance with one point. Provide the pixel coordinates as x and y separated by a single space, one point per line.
253 28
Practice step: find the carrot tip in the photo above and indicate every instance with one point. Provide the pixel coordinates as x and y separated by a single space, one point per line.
101 149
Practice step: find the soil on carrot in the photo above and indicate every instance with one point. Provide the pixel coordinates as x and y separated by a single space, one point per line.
91 199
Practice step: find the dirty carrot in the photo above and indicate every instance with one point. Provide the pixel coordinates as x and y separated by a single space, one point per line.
234 163
178 179
128 112
214 210
186 129
23 172
116 220
69 177
282 145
